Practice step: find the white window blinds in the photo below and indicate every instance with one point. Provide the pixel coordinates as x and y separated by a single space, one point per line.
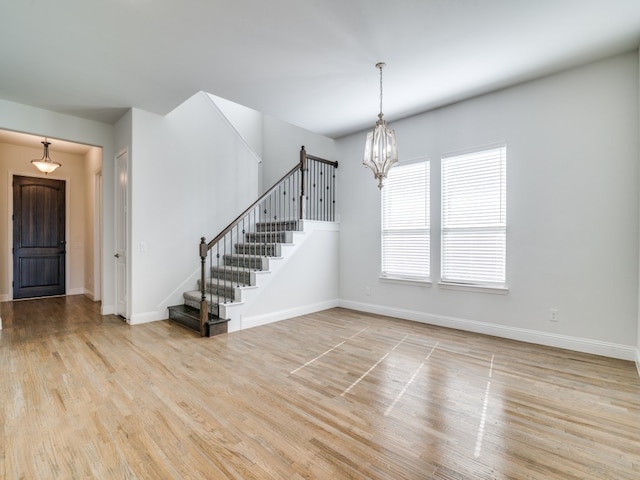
474 218
405 222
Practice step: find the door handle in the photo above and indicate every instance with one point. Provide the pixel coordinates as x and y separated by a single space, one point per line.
117 255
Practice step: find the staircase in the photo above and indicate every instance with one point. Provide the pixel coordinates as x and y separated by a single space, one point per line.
264 234
236 275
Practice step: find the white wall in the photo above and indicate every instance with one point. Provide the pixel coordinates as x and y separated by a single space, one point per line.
573 211
247 121
281 148
307 282
190 176
23 118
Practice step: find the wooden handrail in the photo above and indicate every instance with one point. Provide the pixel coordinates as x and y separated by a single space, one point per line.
321 160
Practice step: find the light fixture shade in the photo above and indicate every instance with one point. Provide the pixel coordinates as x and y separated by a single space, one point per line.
380 151
45 164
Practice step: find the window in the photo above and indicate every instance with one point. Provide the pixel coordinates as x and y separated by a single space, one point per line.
405 222
474 218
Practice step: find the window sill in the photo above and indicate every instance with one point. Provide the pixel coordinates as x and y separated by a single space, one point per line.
406 281
474 288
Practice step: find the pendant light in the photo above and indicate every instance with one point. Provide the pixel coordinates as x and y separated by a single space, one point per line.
380 151
45 164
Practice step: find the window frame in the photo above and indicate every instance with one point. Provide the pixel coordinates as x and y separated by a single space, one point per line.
407 277
495 221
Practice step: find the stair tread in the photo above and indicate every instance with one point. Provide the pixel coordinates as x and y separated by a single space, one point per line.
271 244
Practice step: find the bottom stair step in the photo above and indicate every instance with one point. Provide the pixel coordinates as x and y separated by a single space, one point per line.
190 317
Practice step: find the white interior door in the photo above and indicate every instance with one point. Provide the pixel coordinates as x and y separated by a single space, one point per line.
121 236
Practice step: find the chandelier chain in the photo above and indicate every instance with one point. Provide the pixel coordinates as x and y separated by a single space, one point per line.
380 66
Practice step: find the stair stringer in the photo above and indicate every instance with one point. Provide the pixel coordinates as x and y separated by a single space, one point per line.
255 306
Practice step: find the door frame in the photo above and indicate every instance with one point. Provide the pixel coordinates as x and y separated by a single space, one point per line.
98 230
125 223
67 192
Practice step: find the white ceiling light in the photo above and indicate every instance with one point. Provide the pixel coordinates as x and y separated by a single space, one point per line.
45 164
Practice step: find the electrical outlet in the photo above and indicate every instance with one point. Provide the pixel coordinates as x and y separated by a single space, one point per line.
553 314
367 291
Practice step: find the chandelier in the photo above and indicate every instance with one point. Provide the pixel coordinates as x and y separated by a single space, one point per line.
380 151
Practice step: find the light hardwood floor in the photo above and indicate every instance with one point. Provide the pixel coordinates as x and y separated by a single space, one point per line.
333 395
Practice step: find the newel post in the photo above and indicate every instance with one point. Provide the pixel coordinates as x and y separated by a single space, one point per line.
303 169
204 305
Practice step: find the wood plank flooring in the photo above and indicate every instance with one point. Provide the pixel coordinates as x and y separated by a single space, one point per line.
332 395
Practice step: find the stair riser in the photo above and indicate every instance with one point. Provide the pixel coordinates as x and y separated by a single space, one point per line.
218 290
190 317
241 278
289 225
269 250
213 307
253 262
266 237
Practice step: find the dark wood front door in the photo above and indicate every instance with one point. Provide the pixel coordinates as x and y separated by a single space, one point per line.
38 237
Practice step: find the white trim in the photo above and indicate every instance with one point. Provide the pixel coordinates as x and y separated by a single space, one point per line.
5 298
474 288
107 309
638 360
98 228
596 347
147 317
414 282
232 127
76 291
9 254
258 320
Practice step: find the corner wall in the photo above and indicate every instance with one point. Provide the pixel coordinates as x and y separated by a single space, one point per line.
572 212
190 177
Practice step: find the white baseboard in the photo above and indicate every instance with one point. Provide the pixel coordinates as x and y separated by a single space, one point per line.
257 320
147 317
107 309
76 291
4 298
607 349
638 359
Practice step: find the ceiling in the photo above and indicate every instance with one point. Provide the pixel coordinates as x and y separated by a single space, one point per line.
308 62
